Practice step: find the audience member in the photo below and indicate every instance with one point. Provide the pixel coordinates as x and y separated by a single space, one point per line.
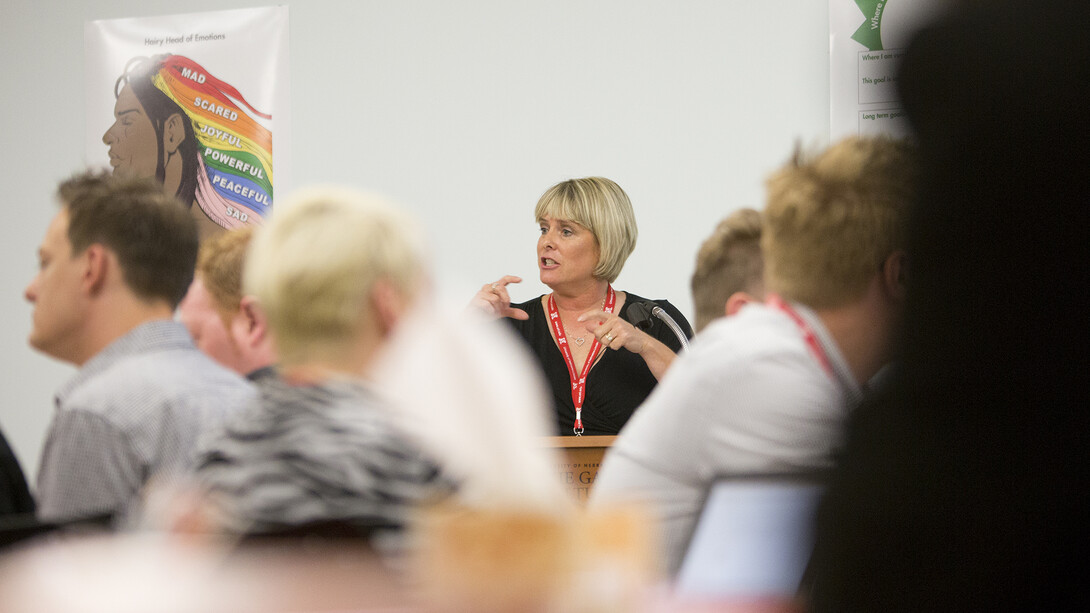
225 324
729 269
113 265
964 488
768 390
335 272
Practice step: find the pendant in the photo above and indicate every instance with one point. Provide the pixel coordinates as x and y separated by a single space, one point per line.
579 341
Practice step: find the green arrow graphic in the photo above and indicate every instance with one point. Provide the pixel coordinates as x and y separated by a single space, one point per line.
870 33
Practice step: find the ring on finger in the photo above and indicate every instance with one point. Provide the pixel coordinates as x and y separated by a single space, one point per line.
494 286
608 338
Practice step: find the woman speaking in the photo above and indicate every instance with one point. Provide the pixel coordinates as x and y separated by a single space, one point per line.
599 366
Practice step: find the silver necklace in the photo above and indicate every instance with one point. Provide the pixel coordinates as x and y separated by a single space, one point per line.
579 340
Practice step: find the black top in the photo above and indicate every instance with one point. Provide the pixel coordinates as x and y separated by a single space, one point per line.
14 495
964 488
616 385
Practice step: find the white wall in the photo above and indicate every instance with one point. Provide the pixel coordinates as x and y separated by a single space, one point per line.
464 112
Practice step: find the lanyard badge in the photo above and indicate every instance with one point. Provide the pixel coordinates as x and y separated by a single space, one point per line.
578 380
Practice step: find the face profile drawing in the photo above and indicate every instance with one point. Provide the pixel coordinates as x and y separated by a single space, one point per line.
197 136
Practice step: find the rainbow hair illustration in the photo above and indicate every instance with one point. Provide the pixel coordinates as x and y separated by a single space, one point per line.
227 150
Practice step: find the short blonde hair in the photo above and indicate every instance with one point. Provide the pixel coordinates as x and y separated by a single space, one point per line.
314 265
833 219
729 261
220 263
601 206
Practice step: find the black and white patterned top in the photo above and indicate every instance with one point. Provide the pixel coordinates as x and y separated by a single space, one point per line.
316 453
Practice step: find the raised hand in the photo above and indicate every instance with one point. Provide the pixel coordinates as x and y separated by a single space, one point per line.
616 333
494 300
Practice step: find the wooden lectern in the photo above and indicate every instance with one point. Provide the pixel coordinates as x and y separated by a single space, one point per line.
582 455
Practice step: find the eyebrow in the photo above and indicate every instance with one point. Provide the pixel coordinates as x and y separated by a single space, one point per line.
118 114
570 223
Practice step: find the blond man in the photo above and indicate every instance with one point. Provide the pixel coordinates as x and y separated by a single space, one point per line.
335 271
768 390
225 324
729 269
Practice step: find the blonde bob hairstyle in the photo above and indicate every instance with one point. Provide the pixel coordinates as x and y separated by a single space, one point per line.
833 219
315 263
601 206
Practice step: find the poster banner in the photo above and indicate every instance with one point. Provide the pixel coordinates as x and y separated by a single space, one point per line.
867 39
198 101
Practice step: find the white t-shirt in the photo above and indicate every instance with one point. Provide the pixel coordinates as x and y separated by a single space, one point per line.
750 395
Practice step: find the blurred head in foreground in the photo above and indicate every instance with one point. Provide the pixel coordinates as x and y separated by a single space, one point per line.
834 240
334 271
834 219
986 419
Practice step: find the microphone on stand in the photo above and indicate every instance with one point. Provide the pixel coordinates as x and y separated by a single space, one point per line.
639 314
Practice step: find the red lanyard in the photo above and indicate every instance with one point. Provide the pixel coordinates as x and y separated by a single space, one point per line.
807 332
578 382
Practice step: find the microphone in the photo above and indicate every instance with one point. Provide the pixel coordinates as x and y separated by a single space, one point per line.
639 314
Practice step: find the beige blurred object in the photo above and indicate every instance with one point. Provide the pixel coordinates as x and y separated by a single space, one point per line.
471 394
112 574
158 573
493 561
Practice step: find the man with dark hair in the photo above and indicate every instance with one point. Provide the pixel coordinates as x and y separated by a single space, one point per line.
113 265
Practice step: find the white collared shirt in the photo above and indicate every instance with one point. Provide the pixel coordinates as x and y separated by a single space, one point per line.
749 396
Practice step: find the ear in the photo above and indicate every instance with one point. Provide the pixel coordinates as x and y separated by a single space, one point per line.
388 304
173 133
97 261
250 322
736 301
894 275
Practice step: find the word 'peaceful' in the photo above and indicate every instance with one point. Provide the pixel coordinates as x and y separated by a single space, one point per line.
237 188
